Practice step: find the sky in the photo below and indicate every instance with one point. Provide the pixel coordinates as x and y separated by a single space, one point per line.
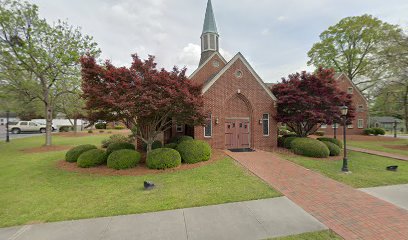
273 35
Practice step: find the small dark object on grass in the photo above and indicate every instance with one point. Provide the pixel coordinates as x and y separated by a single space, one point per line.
148 185
392 168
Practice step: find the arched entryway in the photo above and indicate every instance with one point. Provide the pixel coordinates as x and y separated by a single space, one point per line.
238 113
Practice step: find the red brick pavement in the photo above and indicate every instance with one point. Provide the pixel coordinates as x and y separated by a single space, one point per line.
378 153
349 212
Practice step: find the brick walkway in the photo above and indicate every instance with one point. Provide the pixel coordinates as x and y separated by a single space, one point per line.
378 153
351 213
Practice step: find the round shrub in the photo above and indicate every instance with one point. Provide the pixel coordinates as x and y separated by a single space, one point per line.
114 139
184 138
319 133
332 140
155 145
193 151
100 125
163 158
119 146
171 145
91 158
378 131
310 147
287 142
73 154
333 148
123 159
368 131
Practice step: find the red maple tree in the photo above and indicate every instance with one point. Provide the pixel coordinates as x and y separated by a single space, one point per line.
141 96
308 100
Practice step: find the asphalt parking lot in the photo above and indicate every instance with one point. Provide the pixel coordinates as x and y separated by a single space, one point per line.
15 136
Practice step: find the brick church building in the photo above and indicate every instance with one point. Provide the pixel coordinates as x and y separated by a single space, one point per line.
242 107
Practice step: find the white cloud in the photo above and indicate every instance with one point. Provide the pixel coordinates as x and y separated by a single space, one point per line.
265 32
282 18
190 55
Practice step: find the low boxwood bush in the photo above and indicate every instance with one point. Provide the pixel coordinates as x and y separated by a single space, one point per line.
310 147
92 158
123 159
119 146
119 127
180 139
378 131
332 140
163 158
155 145
319 133
368 131
333 148
193 151
116 138
288 141
73 154
100 126
171 145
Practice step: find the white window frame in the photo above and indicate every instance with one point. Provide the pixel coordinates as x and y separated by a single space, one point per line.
335 125
360 123
360 108
179 128
350 90
324 126
267 135
211 124
350 126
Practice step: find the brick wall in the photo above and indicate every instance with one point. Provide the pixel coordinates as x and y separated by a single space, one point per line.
231 97
361 113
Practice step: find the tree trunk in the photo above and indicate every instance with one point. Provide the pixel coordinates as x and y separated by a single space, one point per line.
75 125
48 122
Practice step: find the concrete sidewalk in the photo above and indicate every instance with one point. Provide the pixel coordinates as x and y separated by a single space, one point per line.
379 153
259 219
395 194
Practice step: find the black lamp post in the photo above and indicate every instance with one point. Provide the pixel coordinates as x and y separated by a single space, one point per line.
395 129
344 110
7 126
335 130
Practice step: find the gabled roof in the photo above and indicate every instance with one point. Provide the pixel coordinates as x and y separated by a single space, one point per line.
206 61
209 21
338 75
385 119
237 57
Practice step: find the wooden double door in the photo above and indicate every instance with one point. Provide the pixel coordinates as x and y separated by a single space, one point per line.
237 133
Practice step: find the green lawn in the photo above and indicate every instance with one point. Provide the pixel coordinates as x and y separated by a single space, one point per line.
321 235
382 146
34 190
367 170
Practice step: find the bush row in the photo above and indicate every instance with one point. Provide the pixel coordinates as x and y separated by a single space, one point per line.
374 131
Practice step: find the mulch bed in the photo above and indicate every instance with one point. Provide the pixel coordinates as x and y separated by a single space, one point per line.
43 149
139 170
398 147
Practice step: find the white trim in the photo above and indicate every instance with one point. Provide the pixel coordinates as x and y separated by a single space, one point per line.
211 128
323 126
230 63
350 126
206 61
265 135
362 123
358 90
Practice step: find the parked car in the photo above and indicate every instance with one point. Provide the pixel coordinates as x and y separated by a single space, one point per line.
26 126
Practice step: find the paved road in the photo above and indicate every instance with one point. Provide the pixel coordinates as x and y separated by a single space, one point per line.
15 136
398 136
259 219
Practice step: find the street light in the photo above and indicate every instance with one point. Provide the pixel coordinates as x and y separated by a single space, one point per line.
7 126
335 130
344 110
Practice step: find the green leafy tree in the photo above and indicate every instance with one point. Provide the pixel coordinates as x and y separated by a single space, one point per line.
39 60
352 46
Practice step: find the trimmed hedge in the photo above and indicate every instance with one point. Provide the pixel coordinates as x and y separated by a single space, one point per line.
73 154
119 146
115 138
100 126
163 158
123 159
378 131
288 141
333 148
171 145
319 133
180 139
281 140
310 147
332 140
193 151
91 158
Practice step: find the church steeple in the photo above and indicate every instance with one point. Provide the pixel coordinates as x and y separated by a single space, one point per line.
209 36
